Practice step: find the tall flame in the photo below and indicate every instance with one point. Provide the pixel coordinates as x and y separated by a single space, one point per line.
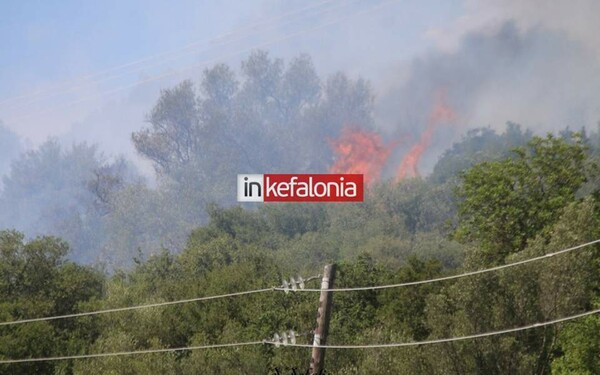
360 151
441 113
363 152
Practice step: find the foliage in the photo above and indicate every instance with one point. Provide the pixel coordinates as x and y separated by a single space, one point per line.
507 202
478 145
36 280
580 344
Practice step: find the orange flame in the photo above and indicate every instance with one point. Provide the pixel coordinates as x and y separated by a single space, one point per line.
441 112
359 151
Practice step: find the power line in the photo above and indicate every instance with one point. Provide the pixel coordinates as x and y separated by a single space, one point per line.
471 273
205 62
366 346
267 342
282 288
145 306
129 308
115 354
450 339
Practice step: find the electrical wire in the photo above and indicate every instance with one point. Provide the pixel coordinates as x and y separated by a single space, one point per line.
440 341
145 306
129 308
115 354
471 273
268 342
281 288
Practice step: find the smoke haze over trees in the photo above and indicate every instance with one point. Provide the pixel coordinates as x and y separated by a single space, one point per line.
273 117
270 115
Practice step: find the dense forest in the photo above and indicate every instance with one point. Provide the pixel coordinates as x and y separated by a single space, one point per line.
95 235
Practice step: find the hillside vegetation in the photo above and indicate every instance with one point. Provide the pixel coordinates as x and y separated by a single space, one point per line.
483 206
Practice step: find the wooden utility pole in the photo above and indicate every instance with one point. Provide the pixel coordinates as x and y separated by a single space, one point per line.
323 315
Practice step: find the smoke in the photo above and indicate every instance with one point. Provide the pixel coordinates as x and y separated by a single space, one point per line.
498 58
10 148
577 19
538 77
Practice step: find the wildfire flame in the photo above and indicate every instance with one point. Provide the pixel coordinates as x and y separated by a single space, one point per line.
441 113
363 152
360 151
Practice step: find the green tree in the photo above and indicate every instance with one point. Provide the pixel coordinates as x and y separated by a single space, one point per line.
580 345
506 203
478 145
37 281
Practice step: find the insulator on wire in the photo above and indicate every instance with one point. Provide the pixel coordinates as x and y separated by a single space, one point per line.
286 338
293 284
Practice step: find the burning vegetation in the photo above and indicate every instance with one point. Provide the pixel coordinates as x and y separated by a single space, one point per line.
361 151
440 114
